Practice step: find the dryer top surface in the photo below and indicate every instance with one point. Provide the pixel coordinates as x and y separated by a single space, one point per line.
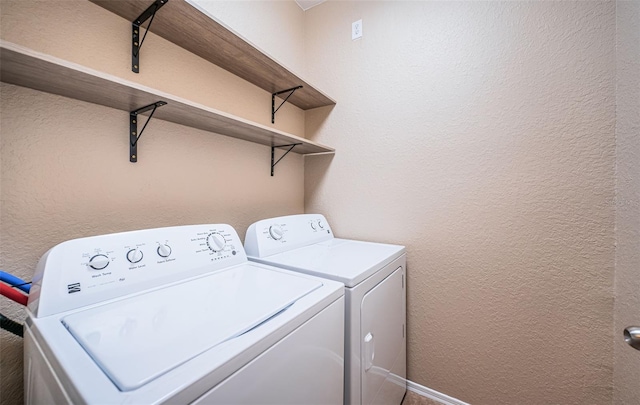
344 260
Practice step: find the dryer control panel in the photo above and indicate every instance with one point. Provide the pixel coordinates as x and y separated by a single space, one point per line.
276 235
86 271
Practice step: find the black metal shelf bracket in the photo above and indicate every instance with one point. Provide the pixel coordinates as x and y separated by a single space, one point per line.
136 44
134 136
273 149
274 110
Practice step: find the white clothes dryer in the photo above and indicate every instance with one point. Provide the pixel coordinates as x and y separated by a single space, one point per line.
179 315
375 310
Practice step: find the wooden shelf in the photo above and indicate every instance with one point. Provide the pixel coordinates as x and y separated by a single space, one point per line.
27 68
184 25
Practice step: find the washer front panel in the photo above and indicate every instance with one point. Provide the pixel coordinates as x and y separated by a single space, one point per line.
86 271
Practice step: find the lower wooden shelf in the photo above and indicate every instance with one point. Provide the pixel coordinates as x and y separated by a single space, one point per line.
24 67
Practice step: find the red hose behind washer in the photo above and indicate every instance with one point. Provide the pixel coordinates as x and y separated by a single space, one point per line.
13 294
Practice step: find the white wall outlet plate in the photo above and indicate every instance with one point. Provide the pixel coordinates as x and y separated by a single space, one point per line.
356 29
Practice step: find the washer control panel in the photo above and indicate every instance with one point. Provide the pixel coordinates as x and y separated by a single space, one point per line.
85 271
276 235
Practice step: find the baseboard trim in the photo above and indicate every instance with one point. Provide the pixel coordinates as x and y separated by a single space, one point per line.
433 394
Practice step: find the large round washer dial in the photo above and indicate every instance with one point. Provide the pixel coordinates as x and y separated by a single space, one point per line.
99 262
164 250
276 232
134 255
216 242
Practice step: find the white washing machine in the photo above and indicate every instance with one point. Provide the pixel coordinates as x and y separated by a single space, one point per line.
374 277
179 315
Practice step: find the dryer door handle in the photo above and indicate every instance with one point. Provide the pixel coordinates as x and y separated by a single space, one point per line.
369 351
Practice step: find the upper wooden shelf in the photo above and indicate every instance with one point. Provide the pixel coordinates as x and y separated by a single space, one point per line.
27 68
186 26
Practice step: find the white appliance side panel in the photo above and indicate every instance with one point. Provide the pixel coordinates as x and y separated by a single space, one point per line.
182 321
42 386
383 342
306 367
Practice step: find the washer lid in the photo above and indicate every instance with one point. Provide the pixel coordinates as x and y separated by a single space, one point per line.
136 340
344 260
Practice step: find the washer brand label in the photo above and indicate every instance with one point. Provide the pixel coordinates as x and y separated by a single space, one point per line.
73 288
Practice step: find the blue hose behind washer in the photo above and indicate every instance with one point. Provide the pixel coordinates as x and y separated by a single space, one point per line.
14 281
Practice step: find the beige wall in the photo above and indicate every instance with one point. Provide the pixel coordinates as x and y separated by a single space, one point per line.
627 286
481 136
275 27
64 164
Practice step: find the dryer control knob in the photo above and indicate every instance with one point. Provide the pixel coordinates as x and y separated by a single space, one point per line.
321 224
276 232
164 250
98 262
216 242
313 225
134 255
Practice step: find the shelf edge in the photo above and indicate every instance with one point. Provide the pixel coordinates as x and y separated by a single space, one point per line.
15 54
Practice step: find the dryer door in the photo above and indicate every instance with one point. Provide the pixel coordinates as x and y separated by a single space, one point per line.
383 344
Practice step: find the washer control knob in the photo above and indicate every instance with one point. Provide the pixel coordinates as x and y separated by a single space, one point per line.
98 262
134 255
313 225
276 232
320 224
164 250
216 242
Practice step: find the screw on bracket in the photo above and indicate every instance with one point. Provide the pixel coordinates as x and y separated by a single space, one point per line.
136 44
134 136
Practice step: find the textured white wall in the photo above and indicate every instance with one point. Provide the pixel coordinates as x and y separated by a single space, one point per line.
481 136
627 285
64 163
